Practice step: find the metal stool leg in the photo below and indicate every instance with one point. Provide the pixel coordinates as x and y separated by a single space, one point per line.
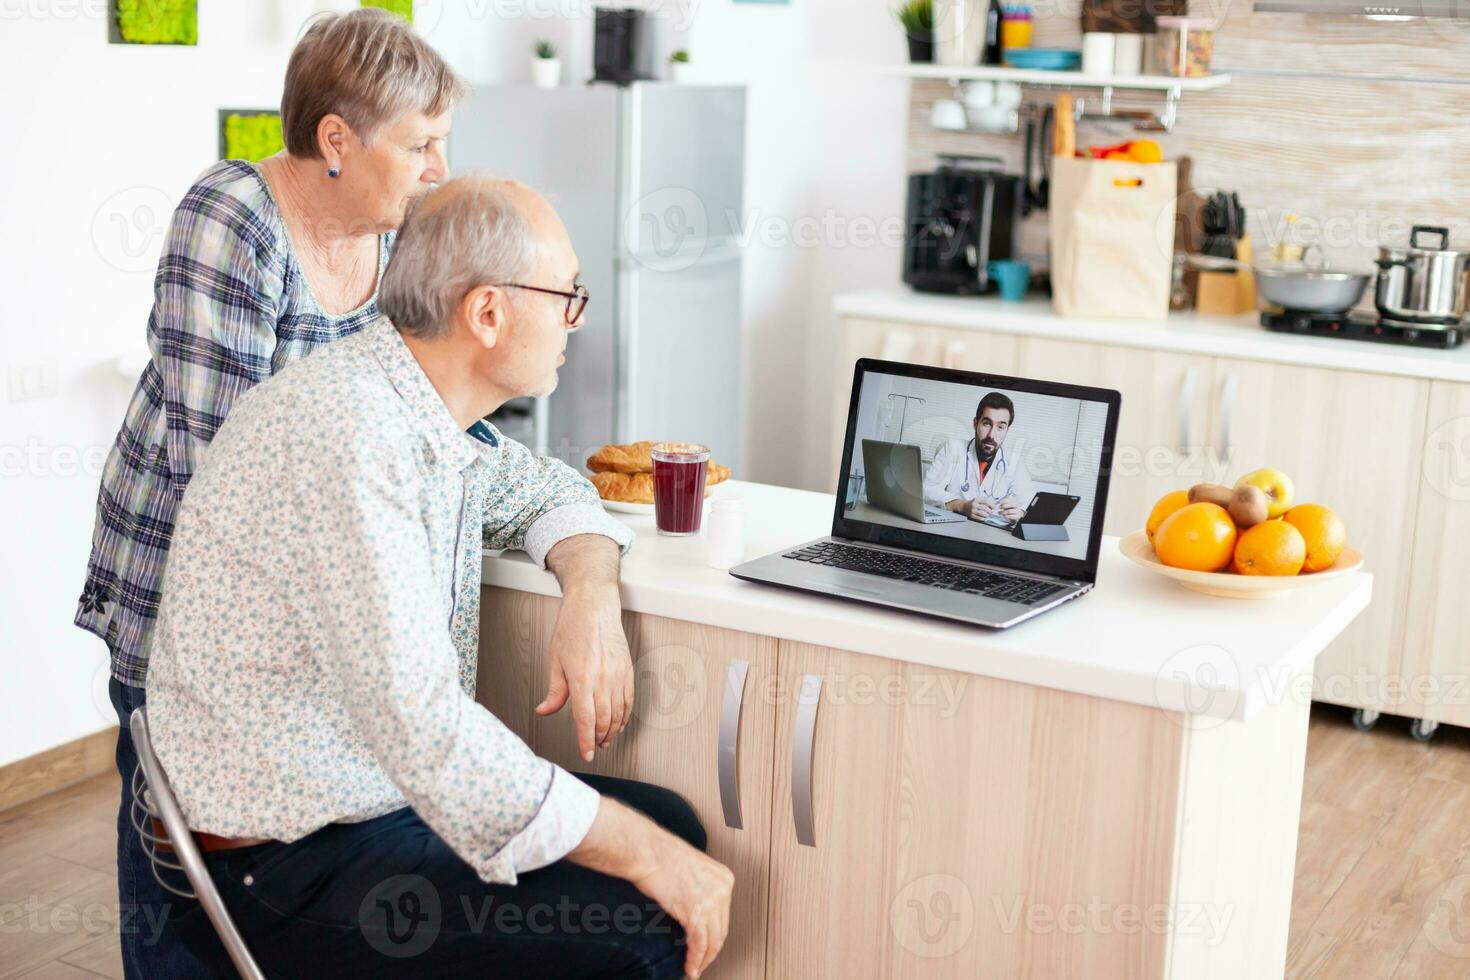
156 799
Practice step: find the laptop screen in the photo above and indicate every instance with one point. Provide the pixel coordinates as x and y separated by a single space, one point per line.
1003 470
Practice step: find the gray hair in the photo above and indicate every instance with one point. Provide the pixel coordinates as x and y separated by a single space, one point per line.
472 231
367 66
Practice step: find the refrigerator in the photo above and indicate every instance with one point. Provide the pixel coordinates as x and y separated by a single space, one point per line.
649 180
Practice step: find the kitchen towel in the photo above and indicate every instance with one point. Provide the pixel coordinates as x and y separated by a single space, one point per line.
1112 231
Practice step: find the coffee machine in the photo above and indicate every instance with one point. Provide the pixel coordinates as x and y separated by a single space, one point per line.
963 215
619 45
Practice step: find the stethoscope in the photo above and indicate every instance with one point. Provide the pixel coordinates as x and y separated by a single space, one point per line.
965 487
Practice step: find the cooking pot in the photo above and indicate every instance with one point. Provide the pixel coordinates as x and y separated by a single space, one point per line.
1422 284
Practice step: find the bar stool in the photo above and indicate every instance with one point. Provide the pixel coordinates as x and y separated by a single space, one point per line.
152 797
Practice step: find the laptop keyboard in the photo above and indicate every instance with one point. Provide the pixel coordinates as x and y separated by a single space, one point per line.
922 571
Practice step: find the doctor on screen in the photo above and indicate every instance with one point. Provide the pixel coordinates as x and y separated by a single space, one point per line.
975 476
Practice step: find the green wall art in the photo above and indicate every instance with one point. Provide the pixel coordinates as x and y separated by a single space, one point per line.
249 134
153 21
403 8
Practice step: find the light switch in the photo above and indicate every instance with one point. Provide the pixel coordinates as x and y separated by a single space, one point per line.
30 382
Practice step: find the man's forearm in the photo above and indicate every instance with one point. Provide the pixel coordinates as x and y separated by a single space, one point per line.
621 842
585 562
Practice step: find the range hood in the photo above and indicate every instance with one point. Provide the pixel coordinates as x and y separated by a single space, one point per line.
1377 11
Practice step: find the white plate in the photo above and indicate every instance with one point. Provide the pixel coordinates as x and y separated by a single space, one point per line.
623 507
1137 548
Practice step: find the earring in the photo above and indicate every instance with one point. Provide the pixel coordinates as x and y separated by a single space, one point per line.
333 172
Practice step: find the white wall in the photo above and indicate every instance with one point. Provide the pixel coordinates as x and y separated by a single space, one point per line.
824 193
102 140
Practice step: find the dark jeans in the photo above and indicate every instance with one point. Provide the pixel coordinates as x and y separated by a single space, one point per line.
151 949
388 898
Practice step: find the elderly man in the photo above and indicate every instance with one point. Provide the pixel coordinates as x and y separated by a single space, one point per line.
312 678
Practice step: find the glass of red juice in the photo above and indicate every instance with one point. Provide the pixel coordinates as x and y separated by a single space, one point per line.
679 470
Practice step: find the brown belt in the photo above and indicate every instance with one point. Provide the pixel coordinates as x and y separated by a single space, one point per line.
211 842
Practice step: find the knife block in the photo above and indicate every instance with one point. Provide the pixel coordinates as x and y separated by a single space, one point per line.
1228 293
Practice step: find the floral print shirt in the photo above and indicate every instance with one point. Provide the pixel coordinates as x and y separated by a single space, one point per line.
315 650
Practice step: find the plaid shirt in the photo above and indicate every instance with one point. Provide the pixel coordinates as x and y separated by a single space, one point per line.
231 307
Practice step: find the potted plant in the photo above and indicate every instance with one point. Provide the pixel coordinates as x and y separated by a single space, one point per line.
917 18
679 66
546 66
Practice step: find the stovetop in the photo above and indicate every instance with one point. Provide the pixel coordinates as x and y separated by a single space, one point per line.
1365 326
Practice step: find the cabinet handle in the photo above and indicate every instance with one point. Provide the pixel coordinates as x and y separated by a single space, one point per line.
729 761
953 351
1186 409
1227 409
801 759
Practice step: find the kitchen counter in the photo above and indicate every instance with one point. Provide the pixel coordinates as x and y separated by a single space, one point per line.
1140 751
1136 638
1241 337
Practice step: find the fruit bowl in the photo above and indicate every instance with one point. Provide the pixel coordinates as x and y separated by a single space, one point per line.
1137 548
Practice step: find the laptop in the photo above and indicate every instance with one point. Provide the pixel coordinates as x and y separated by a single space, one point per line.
1062 435
895 481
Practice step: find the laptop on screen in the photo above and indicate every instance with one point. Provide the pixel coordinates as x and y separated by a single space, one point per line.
981 499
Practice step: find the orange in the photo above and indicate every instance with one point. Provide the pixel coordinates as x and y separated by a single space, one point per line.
1168 504
1270 548
1323 531
1199 536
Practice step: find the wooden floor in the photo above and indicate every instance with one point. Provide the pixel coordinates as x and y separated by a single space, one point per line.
1382 878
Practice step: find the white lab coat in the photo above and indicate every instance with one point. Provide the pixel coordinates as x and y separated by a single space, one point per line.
951 475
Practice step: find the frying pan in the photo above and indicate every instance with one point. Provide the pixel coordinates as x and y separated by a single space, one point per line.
1295 286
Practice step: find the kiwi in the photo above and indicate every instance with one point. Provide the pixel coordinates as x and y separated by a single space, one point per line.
1249 506
1213 493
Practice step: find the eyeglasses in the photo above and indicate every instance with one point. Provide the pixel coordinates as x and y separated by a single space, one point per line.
576 299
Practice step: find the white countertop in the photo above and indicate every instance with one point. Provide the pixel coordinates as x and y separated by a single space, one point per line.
1241 336
1136 637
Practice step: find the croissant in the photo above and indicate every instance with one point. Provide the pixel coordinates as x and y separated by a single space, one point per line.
627 488
637 488
615 458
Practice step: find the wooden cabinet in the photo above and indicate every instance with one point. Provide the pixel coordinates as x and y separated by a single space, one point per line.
1163 424
1353 442
1435 669
959 822
691 681
898 820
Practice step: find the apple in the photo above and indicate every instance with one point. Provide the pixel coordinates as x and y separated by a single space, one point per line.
1277 487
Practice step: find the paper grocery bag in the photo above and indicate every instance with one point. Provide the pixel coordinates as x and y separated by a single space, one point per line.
1112 233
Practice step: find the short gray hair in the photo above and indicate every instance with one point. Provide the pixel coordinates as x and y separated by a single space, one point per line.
478 235
367 66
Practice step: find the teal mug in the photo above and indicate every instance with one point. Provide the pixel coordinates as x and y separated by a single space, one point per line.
1013 276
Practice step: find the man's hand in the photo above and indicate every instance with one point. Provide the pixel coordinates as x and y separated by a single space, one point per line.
978 509
590 662
689 885
695 889
1011 510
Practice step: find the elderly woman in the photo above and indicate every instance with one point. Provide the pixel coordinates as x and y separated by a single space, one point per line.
262 264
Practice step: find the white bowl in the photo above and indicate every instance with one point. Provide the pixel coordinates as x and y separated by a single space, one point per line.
1137 548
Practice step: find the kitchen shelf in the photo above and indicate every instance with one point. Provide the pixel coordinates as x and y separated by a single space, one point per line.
1062 79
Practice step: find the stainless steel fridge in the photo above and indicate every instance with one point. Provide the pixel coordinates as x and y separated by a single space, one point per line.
649 180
